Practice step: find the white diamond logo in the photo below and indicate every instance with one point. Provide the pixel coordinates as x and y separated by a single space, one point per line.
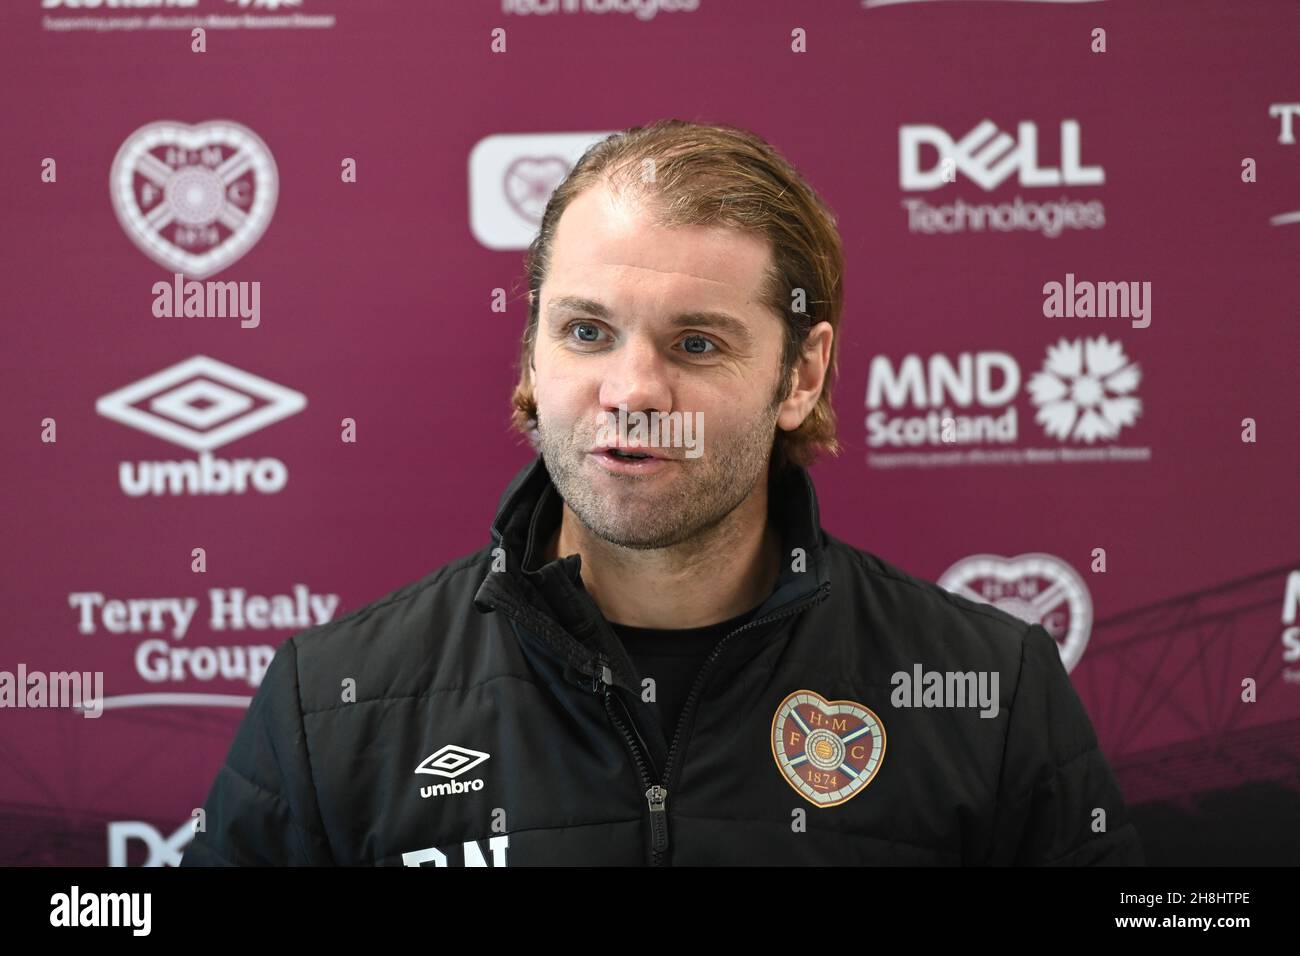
201 404
451 761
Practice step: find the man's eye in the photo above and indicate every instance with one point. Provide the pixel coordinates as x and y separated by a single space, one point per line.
586 331
699 341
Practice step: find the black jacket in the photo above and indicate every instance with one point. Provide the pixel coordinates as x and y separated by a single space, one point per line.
487 715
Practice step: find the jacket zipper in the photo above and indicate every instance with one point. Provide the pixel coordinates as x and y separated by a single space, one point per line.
656 794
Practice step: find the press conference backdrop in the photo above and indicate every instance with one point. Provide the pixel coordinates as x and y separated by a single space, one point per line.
1068 357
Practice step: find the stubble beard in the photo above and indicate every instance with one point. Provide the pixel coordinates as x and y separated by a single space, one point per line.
638 514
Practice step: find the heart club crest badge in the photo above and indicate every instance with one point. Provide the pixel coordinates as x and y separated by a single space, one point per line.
828 750
194 199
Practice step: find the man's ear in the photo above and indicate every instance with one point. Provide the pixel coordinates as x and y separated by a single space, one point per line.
809 375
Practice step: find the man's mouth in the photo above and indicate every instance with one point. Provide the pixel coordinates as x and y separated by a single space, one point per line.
631 459
629 452
627 455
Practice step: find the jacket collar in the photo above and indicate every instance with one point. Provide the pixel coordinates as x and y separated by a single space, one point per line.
548 597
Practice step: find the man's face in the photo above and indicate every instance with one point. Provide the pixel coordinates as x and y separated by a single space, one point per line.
621 324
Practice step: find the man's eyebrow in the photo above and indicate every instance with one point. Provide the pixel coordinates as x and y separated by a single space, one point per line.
575 303
722 321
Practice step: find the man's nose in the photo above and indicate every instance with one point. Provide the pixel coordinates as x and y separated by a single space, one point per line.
638 376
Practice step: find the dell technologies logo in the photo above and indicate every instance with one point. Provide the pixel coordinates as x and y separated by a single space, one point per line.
988 157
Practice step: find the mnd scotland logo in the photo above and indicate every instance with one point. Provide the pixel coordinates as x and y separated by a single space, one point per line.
941 410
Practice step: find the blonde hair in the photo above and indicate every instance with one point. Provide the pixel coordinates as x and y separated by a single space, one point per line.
716 175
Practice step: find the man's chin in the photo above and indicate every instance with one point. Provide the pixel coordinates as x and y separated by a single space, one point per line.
635 539
636 524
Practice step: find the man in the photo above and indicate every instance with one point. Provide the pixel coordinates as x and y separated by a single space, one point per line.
661 658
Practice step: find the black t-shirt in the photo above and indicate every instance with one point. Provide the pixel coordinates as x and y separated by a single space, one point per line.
673 658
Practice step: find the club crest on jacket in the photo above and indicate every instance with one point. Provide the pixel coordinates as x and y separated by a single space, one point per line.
827 750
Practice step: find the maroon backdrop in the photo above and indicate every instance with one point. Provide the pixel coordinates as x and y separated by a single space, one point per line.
1074 433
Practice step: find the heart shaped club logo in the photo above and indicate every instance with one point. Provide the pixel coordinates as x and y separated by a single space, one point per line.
529 182
194 198
1037 588
828 750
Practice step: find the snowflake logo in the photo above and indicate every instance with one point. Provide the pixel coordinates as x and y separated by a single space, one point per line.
1083 391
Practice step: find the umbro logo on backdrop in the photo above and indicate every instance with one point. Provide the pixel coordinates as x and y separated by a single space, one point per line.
201 404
